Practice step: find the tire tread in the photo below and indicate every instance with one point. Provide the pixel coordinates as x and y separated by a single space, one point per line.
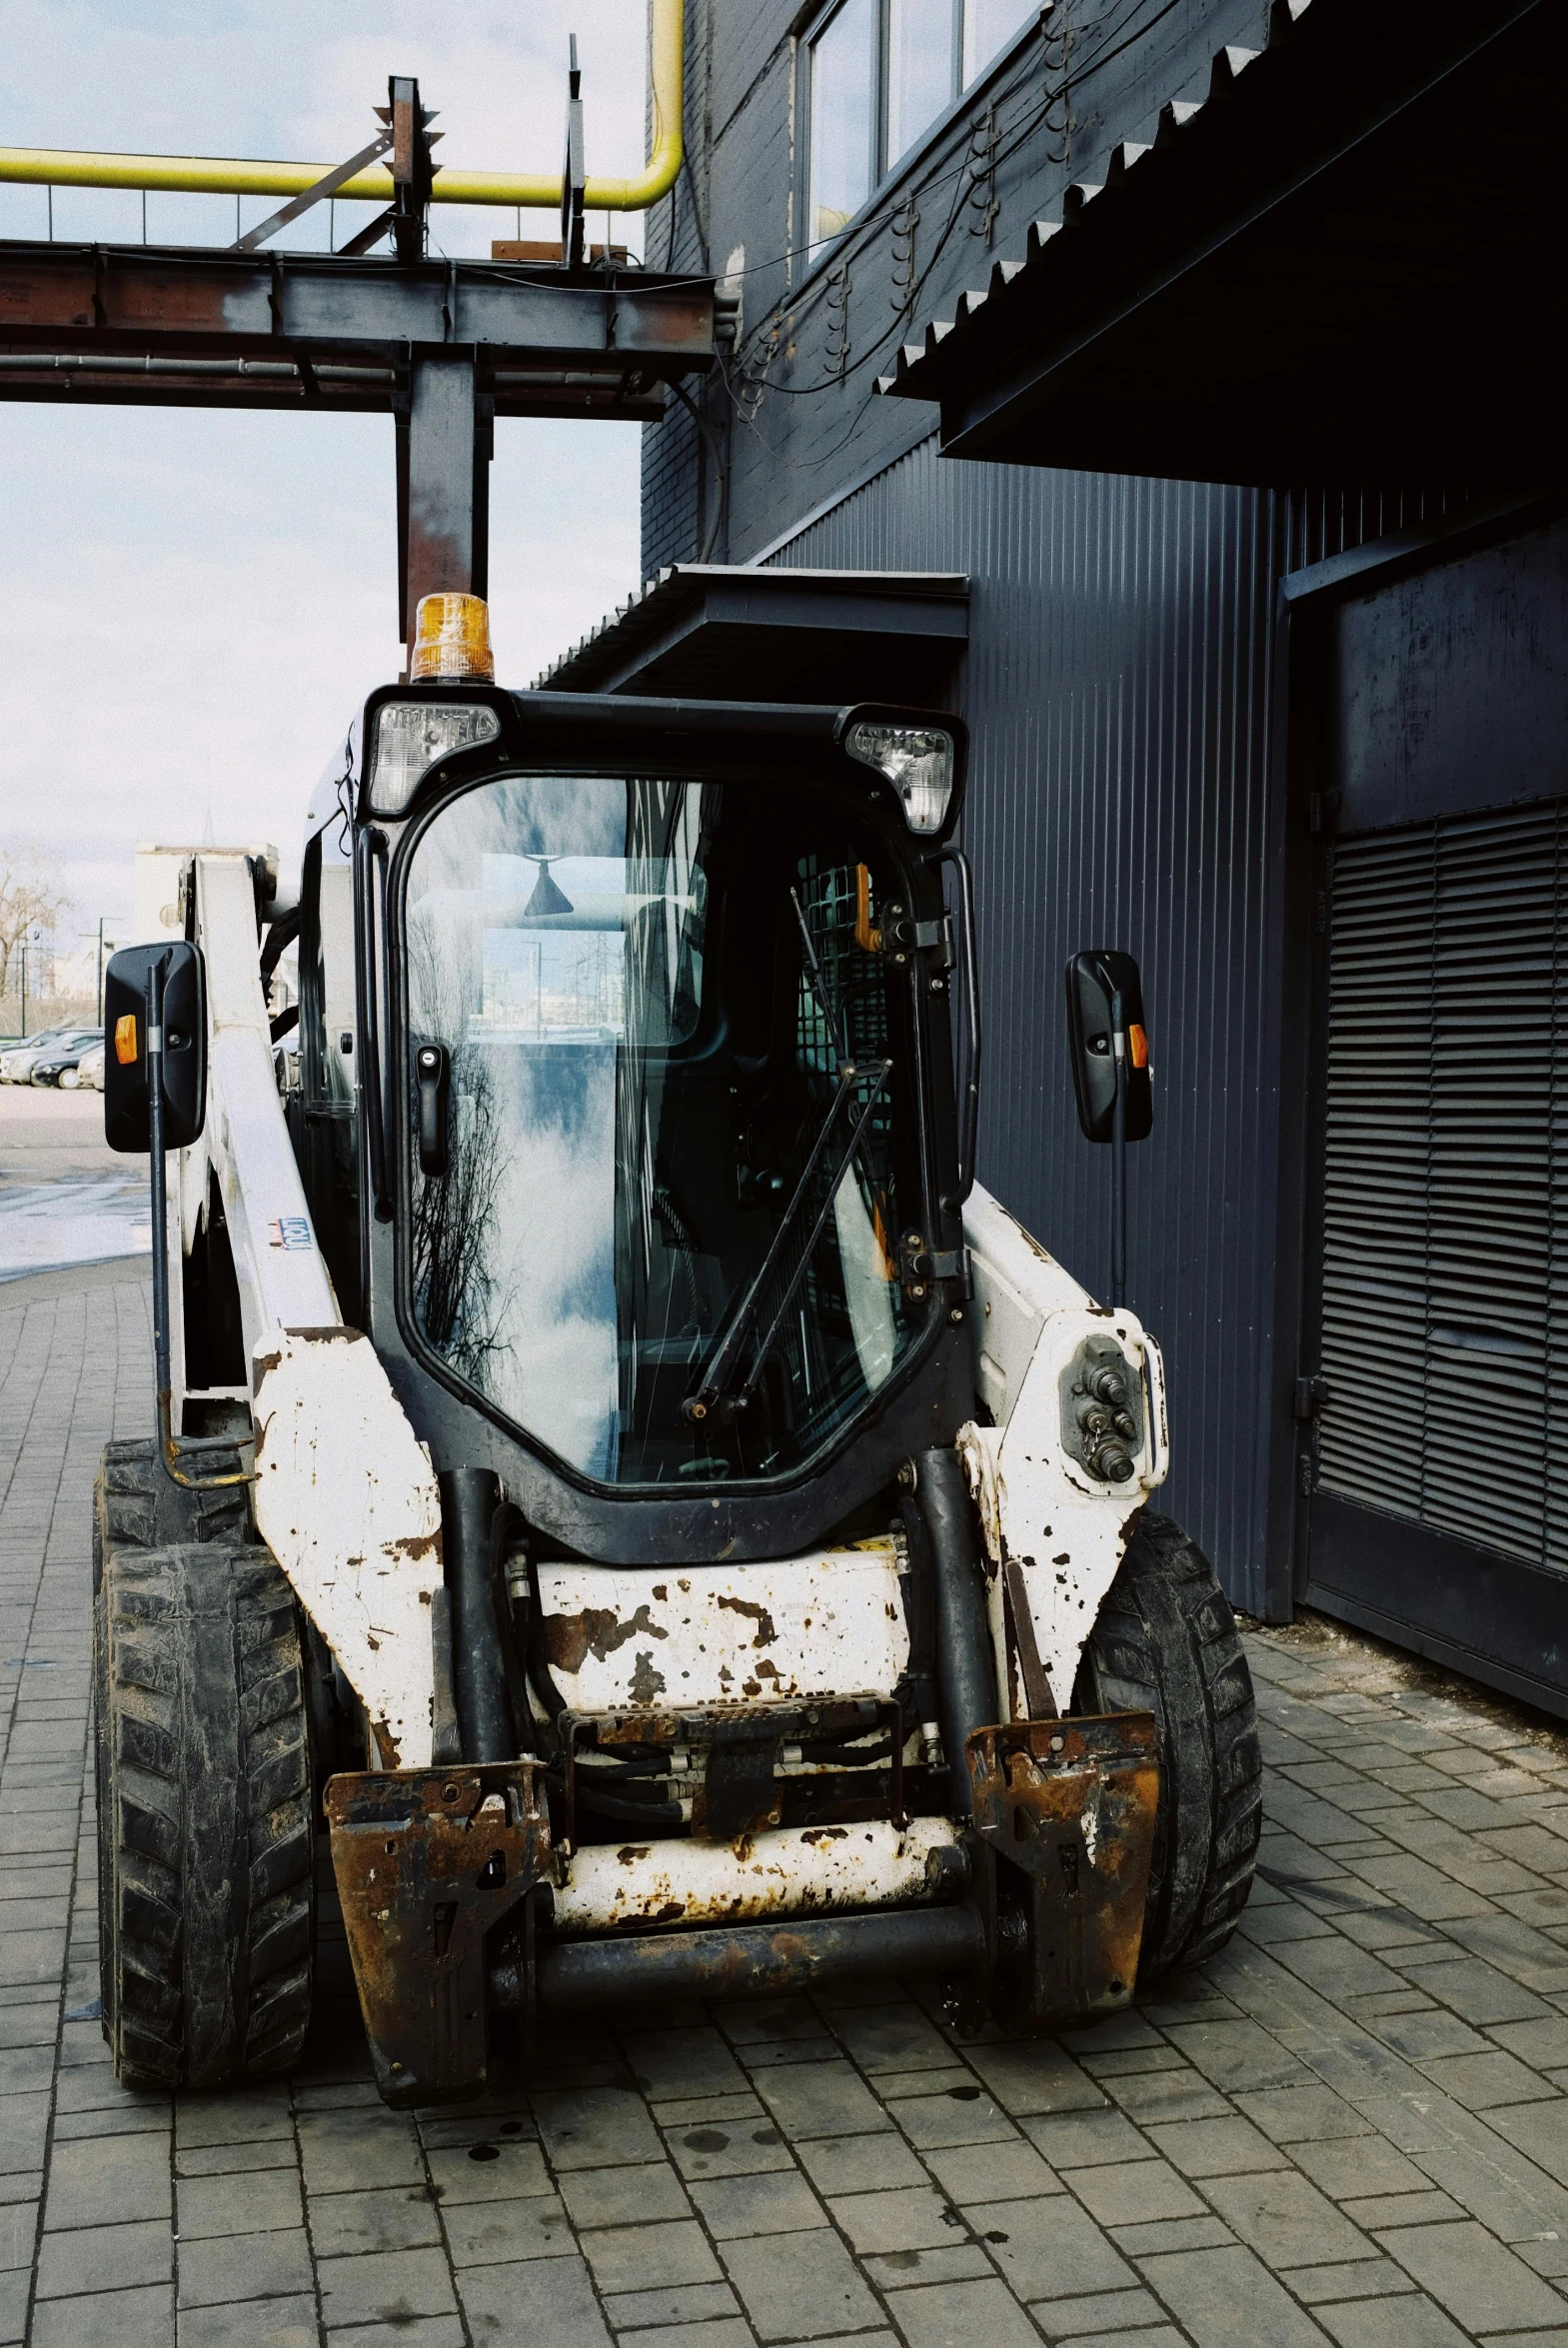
1166 1643
197 1658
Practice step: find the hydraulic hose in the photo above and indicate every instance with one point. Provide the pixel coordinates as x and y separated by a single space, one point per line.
468 1499
965 1663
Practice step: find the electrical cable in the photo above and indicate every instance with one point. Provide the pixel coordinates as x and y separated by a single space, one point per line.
705 426
1013 138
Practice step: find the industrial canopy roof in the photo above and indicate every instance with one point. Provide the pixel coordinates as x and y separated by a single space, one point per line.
1339 265
728 632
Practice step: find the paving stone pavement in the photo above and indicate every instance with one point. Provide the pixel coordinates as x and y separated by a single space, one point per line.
1352 2127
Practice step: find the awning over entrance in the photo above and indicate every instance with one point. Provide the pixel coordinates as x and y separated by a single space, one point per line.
1341 265
724 631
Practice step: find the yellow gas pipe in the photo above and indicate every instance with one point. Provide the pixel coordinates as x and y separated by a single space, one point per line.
217 175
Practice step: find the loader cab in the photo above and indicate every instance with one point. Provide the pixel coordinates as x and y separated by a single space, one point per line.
643 1125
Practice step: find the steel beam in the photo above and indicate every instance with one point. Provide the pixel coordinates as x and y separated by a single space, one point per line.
444 346
445 440
194 327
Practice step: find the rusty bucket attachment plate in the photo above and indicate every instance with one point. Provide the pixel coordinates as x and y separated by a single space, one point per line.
1069 1804
428 1863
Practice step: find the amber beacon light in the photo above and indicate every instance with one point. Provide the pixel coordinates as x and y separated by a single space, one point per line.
452 639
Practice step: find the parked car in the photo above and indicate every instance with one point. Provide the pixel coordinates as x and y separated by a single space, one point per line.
16 1065
60 1053
88 1074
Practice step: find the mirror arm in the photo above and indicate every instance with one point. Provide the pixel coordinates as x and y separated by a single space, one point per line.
160 1187
171 1448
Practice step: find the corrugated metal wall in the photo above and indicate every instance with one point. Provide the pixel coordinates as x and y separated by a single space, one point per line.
1118 689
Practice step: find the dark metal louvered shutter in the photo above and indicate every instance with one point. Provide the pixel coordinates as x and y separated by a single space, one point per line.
1444 1316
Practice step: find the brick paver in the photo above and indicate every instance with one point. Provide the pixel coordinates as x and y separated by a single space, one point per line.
1351 2128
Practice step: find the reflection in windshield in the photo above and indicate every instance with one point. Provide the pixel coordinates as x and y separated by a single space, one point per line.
635 1113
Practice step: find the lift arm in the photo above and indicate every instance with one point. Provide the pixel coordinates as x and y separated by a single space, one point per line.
345 1496
217 175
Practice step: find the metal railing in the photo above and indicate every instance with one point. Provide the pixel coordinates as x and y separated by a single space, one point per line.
213 175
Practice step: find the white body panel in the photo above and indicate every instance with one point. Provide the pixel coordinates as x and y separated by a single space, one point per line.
1038 1506
796 1870
829 1624
346 1498
283 1279
348 1504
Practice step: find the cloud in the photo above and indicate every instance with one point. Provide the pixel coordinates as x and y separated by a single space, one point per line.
190 603
280 81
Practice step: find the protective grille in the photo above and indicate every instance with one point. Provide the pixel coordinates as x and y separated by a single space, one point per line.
1445 1216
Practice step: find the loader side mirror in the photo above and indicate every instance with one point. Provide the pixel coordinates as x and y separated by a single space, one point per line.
1095 981
127 1110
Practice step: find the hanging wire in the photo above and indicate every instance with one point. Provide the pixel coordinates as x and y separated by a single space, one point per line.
962 179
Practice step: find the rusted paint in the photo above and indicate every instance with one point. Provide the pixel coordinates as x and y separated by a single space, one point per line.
189 300
346 1502
766 1633
699 1725
597 1630
1070 1806
671 324
1031 1493
414 1546
823 1626
647 1686
428 1863
790 1872
57 295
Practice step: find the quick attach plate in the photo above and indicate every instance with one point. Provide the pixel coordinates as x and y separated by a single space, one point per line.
1069 1804
428 1863
738 1793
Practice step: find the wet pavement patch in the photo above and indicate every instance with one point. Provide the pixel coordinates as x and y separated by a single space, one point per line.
77 1218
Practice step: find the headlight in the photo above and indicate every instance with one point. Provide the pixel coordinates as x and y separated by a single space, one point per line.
411 736
917 762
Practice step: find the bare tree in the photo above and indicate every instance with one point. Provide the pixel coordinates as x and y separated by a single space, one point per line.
454 1233
30 898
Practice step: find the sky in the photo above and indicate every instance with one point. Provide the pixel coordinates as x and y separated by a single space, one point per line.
191 604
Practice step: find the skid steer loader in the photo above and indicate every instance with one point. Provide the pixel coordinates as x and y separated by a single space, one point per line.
614 1470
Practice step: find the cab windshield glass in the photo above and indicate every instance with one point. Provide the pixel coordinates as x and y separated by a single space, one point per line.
679 1128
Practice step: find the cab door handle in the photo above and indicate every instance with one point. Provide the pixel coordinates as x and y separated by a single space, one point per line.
433 1073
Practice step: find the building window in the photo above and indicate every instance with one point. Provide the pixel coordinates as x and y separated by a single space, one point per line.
922 56
844 116
882 72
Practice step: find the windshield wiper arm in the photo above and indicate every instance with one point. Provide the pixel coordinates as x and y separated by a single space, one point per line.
714 1395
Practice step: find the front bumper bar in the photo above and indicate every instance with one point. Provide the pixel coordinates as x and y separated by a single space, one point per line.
447 1880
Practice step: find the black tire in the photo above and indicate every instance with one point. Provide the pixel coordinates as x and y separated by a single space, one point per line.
136 1505
1166 1643
205 1825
